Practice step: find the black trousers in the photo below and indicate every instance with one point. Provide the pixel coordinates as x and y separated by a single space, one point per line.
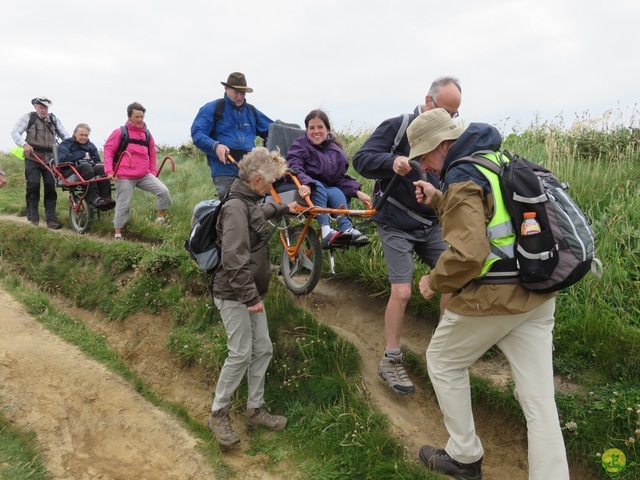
88 171
33 171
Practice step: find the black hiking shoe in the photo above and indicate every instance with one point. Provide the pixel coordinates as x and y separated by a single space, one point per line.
439 461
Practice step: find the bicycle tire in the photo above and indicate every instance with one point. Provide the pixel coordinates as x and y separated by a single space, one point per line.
302 274
80 220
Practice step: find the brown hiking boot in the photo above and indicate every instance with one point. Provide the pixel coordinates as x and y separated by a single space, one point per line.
220 425
260 416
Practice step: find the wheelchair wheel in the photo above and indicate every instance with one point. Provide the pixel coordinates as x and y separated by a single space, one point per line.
81 219
302 274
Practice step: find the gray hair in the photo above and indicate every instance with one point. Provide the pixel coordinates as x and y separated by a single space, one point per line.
440 82
82 125
260 161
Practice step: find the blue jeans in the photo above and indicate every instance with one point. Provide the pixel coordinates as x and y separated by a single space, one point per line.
331 197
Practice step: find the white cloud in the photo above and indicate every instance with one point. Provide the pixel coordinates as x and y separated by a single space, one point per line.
361 61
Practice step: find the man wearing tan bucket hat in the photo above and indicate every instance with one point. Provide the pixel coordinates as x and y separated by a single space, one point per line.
228 126
481 312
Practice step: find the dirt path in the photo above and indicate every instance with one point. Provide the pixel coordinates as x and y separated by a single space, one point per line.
90 423
93 425
417 419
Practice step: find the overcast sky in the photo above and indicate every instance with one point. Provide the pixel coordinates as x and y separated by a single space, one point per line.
361 61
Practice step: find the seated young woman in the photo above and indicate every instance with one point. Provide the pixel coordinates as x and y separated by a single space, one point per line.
321 165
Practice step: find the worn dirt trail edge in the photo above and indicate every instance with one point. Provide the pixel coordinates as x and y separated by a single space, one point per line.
417 419
90 423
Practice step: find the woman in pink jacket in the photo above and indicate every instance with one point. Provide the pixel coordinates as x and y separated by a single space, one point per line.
139 170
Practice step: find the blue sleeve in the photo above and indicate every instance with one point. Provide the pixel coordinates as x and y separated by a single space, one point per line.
202 128
262 125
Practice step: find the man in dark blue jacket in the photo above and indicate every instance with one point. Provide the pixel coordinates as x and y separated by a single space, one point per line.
228 126
404 225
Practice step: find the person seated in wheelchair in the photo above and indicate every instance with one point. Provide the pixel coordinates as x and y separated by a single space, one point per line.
321 166
80 152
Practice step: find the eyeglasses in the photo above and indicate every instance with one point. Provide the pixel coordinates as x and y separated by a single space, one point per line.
453 115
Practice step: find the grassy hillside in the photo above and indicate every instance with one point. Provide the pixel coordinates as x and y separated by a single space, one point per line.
597 338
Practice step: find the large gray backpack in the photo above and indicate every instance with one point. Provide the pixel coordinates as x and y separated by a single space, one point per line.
564 250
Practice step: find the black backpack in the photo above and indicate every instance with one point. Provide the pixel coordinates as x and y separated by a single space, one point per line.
201 244
125 141
217 116
564 250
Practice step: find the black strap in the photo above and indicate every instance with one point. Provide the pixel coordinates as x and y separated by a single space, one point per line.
415 215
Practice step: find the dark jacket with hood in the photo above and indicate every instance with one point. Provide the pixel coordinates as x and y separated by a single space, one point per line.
375 160
74 152
466 206
242 234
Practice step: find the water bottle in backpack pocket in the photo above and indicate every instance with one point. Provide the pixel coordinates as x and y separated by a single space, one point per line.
535 256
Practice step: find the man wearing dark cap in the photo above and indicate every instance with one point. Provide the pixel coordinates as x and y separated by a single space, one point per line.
487 307
228 126
42 129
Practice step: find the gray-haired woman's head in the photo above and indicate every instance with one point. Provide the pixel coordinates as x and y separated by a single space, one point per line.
260 161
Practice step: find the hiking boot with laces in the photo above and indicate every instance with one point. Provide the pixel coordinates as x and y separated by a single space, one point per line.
392 372
440 461
260 416
220 425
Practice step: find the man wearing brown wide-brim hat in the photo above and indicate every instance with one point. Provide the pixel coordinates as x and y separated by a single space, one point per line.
237 81
228 127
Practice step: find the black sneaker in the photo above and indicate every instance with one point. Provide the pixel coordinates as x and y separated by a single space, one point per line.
438 460
357 238
53 225
336 240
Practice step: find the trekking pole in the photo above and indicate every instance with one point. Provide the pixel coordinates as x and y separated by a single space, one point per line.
394 181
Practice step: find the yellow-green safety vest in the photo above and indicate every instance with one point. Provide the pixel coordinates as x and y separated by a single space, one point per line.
502 237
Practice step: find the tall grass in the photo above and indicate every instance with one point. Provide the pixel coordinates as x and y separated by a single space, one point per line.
313 377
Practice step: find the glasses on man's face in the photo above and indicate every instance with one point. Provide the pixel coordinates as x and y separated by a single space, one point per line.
453 115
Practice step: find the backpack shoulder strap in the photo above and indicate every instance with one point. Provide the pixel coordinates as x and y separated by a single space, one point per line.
147 137
54 122
219 111
401 132
32 120
122 146
476 159
255 113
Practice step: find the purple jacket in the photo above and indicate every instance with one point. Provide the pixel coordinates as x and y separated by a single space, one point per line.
327 163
